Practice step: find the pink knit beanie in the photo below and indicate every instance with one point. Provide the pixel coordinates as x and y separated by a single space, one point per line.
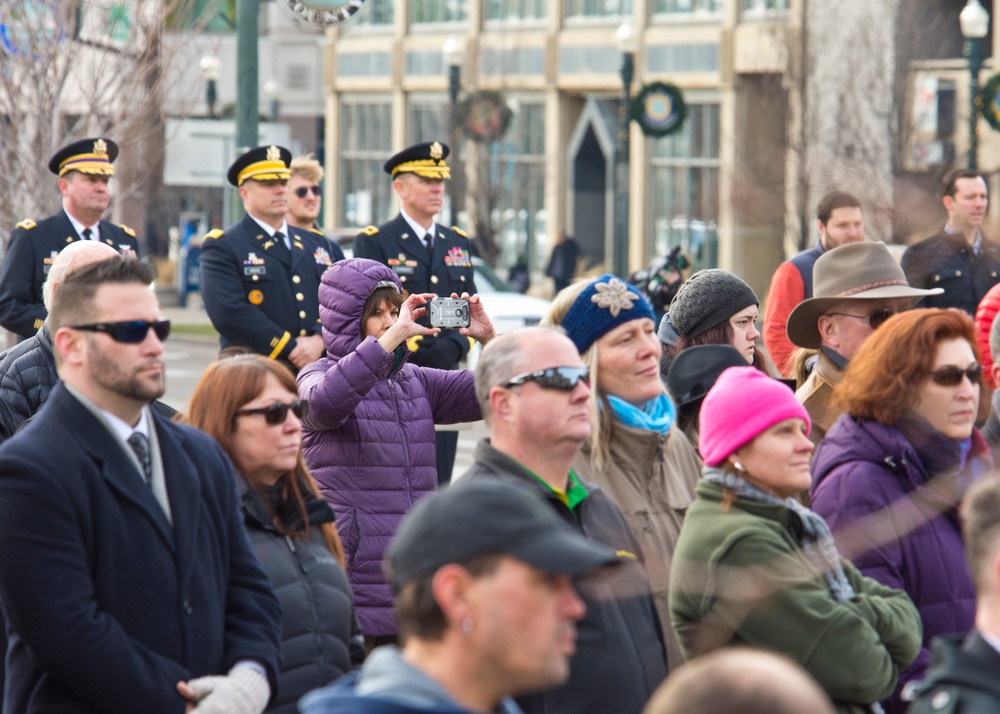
743 403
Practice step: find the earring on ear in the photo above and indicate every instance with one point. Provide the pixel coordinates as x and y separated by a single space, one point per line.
467 626
739 467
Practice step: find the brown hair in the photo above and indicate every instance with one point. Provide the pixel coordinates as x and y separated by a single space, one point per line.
721 334
832 201
386 293
225 387
948 187
880 383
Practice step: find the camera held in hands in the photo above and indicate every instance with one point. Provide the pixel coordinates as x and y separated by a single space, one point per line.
449 313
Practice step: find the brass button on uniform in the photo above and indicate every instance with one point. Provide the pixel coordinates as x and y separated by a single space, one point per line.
302 314
300 297
434 279
302 332
296 279
255 278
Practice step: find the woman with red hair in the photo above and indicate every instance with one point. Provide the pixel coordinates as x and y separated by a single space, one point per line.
890 473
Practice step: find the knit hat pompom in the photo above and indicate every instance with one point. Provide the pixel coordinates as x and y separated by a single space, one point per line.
603 305
743 403
708 298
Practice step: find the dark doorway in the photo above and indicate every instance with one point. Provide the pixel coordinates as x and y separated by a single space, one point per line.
590 197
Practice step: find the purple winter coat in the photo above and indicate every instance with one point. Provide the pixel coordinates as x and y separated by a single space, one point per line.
858 470
369 436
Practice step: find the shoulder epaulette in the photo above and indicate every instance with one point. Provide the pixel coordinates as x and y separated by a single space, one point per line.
27 224
317 231
369 230
128 231
460 231
214 233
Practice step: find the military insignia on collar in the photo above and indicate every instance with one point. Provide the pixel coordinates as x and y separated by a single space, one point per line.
268 244
613 295
101 147
273 153
436 151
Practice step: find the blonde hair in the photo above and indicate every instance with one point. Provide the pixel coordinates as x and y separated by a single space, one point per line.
600 419
307 167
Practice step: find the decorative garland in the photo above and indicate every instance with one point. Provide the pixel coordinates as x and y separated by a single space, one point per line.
988 101
659 109
484 116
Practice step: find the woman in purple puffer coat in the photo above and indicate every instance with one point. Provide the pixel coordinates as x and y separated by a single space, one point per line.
369 435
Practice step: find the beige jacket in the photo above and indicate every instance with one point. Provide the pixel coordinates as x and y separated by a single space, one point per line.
815 395
652 479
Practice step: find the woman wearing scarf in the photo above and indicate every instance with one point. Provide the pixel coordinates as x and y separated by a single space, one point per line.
755 567
635 453
890 473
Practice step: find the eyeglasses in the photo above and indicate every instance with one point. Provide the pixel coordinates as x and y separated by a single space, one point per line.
875 319
952 376
131 332
277 413
301 191
562 379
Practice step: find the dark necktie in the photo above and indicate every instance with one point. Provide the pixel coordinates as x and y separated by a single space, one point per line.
140 445
279 239
429 242
87 233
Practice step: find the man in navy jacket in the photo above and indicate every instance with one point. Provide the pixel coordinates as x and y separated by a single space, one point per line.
125 574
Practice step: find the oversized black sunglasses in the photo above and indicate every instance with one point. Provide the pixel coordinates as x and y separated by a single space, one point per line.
301 191
563 379
130 332
876 318
277 413
952 376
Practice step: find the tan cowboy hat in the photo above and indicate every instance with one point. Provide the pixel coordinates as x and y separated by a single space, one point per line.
856 271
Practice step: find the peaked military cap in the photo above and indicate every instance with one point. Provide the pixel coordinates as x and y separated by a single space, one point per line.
88 156
264 163
425 160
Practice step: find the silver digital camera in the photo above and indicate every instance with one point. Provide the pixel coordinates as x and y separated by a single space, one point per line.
449 312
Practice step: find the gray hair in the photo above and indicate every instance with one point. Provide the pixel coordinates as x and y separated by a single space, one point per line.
73 257
502 359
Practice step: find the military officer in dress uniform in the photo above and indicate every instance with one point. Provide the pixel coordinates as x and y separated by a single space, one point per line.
428 257
84 169
260 278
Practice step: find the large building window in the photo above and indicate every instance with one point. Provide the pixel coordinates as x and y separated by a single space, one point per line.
426 11
515 9
378 12
366 142
598 8
762 7
678 6
684 188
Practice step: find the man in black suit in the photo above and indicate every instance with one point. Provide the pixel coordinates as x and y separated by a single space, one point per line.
125 574
428 257
260 277
84 169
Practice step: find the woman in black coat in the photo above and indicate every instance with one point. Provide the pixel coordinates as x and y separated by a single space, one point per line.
249 404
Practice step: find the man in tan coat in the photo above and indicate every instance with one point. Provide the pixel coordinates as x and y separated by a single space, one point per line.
857 287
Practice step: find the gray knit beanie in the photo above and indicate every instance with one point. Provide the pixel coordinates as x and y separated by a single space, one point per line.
708 298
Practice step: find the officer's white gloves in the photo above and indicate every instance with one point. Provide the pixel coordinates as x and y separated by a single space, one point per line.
242 691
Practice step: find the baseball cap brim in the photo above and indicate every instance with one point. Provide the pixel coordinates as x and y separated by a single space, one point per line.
801 326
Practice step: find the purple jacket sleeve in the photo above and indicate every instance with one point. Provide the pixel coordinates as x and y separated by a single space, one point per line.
452 395
334 389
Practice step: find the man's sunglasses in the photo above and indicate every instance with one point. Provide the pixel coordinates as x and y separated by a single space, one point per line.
563 379
952 376
301 191
875 319
277 413
131 332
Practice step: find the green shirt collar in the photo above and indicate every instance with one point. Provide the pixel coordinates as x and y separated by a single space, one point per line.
574 494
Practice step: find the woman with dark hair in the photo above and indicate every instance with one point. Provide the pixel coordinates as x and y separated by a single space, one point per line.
891 471
714 307
754 567
250 406
369 435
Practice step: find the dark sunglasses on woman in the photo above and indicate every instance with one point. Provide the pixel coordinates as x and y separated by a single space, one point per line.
277 413
952 376
562 379
301 191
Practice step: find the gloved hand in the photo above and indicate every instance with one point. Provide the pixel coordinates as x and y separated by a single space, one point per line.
242 691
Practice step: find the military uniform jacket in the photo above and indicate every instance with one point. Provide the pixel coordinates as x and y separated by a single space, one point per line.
30 251
448 270
259 295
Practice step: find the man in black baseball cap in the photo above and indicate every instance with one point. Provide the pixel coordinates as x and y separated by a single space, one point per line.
485 603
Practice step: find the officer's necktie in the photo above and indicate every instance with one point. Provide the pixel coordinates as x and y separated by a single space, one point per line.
140 445
87 234
279 239
429 242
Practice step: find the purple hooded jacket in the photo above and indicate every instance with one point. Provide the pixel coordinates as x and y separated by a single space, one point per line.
860 469
369 436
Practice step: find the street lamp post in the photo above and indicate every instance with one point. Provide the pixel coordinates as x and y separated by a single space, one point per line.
975 23
454 55
627 44
210 73
271 90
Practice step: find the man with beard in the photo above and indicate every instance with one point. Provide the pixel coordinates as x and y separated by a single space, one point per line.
84 169
125 575
958 258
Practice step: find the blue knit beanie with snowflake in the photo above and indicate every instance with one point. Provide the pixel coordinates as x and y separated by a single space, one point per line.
603 305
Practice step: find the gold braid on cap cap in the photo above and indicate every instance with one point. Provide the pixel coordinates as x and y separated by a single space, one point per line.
264 171
428 168
95 163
